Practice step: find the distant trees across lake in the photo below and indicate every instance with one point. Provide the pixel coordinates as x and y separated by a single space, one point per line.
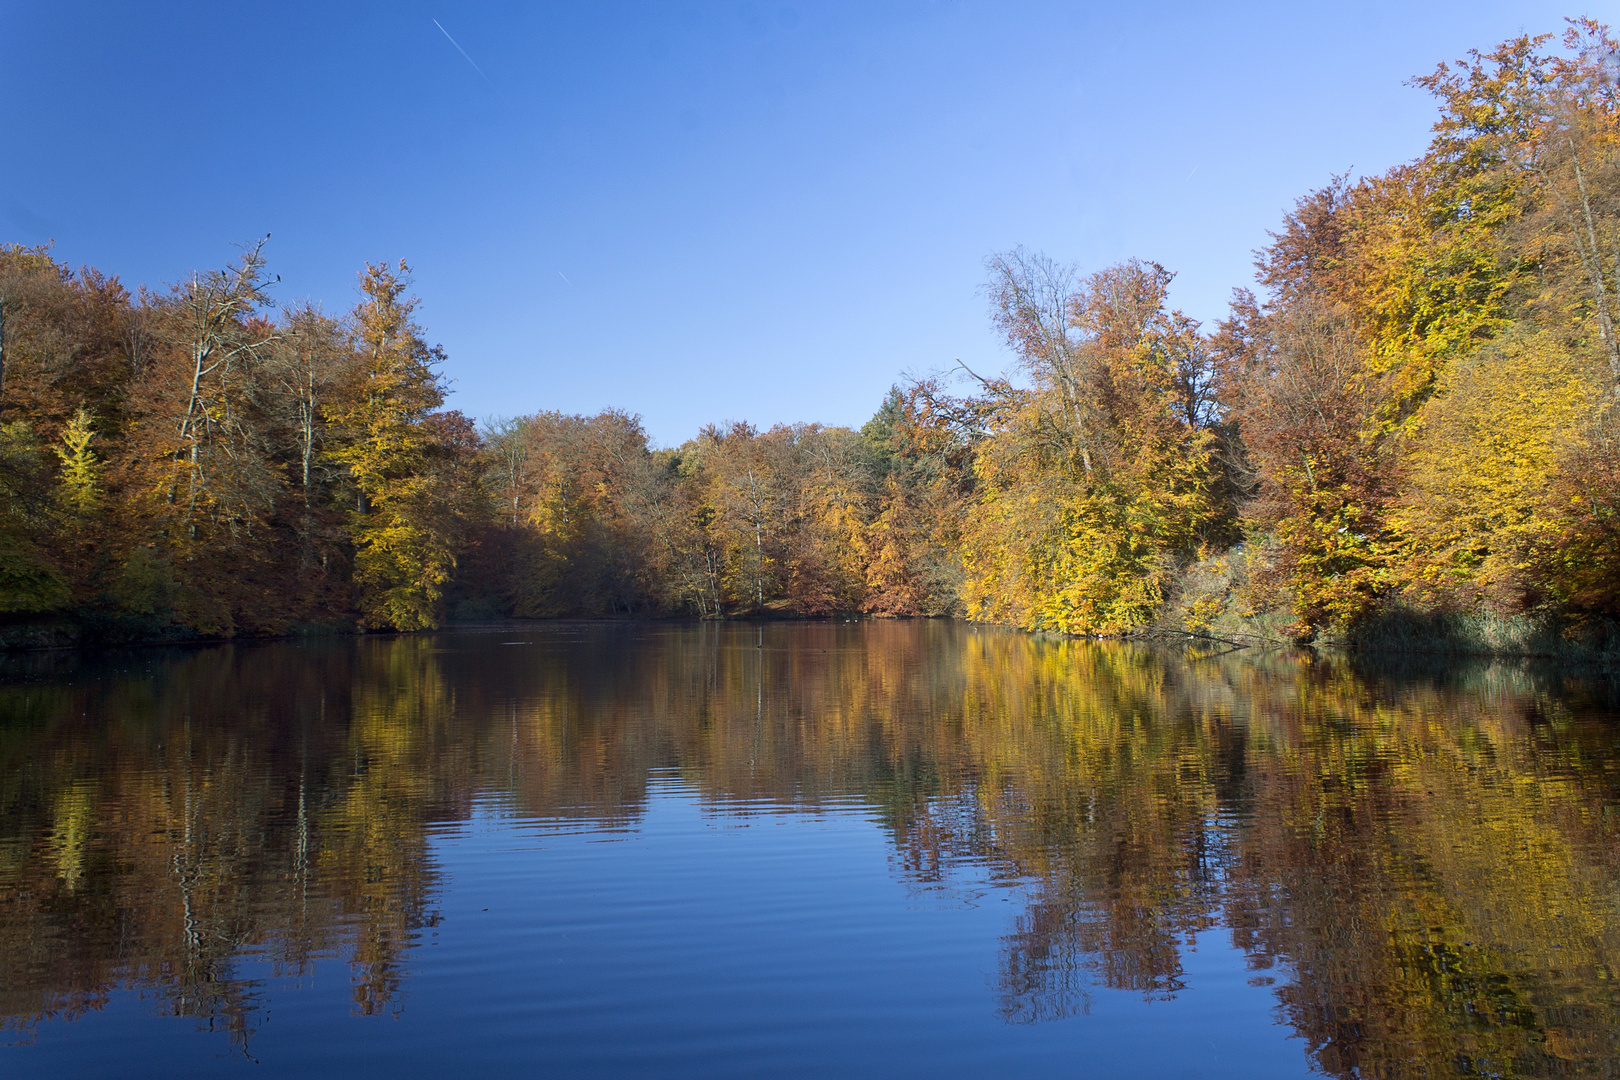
1414 423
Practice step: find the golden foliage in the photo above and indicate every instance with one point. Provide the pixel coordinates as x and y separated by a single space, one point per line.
1478 512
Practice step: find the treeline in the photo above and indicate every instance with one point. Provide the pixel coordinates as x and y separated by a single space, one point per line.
196 461
193 462
799 519
1414 418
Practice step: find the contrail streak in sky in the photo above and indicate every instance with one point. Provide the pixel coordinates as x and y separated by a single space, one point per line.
463 52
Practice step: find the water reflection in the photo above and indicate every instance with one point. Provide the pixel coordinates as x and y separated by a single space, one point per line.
1423 865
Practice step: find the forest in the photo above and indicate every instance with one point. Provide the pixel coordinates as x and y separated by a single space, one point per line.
1407 430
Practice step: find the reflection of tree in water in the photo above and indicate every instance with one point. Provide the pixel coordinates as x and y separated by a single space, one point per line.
1444 892
1433 865
1102 921
1425 866
226 807
1080 788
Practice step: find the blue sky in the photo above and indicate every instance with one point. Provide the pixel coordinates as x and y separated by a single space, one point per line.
708 211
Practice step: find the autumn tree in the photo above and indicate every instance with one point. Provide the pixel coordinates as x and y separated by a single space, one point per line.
1306 400
747 480
315 359
923 440
1094 483
402 533
573 493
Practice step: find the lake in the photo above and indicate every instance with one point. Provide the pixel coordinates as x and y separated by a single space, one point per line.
896 848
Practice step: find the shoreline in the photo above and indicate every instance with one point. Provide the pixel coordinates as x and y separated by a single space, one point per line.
60 636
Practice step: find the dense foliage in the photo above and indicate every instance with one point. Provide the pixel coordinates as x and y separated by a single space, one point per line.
1416 414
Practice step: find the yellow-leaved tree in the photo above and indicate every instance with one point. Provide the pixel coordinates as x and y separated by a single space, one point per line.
81 470
1477 510
402 537
1097 481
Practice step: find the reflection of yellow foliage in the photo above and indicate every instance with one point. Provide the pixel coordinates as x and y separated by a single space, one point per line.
75 817
1425 869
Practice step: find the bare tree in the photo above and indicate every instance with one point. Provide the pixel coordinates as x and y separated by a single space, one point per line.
216 318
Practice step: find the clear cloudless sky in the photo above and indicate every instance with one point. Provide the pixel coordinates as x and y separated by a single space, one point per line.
703 211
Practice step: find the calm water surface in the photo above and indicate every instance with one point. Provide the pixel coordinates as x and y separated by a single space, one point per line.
826 849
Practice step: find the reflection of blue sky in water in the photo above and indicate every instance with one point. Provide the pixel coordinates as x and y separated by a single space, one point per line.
759 940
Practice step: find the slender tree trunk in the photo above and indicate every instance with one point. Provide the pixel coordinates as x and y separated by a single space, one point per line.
1584 233
1594 269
